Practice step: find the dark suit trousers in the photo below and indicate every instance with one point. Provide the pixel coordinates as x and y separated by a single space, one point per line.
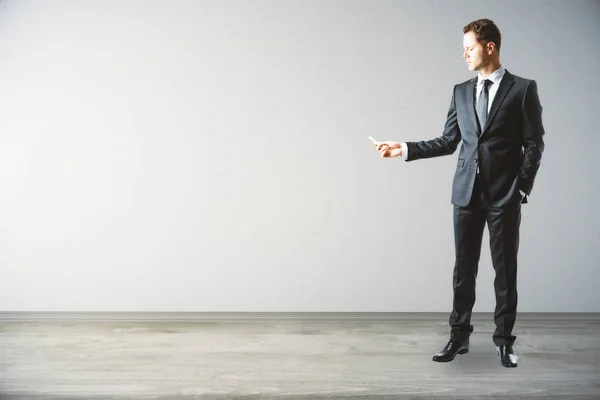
503 225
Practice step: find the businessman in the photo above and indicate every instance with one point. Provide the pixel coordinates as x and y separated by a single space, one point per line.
498 118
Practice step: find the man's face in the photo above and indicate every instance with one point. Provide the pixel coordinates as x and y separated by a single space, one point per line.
475 55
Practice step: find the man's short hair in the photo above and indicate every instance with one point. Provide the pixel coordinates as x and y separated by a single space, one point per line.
485 31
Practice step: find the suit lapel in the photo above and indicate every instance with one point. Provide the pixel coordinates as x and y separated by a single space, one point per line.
505 85
471 103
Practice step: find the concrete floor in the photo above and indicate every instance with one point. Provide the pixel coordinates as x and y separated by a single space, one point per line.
294 359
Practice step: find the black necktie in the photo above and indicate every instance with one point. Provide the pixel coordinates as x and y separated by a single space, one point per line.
482 103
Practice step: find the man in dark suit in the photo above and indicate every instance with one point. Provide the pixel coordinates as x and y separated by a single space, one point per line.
498 117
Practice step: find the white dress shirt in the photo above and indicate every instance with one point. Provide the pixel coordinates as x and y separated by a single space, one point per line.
496 78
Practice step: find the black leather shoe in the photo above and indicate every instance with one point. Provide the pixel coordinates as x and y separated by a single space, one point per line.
451 350
508 358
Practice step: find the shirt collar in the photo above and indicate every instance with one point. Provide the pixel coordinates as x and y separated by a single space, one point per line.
495 77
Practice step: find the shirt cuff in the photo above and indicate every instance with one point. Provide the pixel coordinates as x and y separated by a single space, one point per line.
404 151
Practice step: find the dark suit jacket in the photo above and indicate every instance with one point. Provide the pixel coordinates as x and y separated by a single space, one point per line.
508 150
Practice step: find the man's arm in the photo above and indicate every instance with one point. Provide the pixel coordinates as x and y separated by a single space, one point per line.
533 137
440 146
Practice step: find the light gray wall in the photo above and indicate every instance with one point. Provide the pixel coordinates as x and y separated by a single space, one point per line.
213 155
